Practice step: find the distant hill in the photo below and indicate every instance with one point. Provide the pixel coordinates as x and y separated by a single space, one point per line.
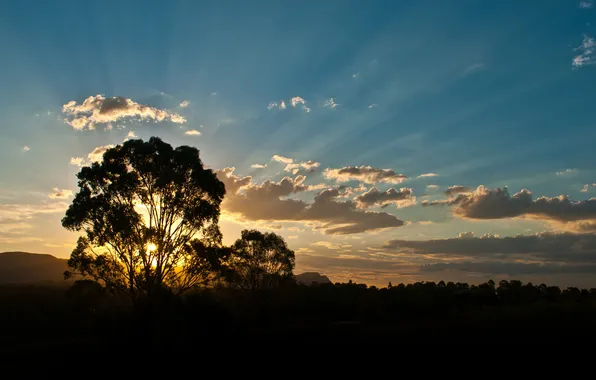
29 268
307 278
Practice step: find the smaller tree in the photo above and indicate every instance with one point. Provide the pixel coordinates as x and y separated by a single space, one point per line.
259 260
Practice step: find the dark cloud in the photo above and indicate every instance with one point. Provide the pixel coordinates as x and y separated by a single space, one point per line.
267 202
375 197
457 189
557 247
485 203
366 174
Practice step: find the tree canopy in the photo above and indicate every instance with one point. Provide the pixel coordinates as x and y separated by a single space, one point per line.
150 216
260 260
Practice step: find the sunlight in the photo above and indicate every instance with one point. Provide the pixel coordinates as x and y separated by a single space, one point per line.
151 247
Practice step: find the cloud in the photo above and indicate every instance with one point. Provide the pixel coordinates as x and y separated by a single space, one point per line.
268 202
473 68
184 104
375 198
294 102
457 189
60 194
586 4
330 103
544 247
95 156
374 105
365 174
428 175
282 159
26 148
567 171
101 110
192 132
258 166
355 75
294 167
485 203
331 245
586 56
11 213
432 187
585 188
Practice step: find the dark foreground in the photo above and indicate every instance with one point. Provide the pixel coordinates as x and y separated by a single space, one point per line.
41 318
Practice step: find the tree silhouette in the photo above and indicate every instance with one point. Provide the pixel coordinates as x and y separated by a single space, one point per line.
260 260
149 213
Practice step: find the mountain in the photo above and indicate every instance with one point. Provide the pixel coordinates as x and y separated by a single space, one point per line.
29 268
307 278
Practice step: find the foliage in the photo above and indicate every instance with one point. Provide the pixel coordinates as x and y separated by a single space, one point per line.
259 260
150 217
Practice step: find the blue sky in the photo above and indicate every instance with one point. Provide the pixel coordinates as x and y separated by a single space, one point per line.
496 94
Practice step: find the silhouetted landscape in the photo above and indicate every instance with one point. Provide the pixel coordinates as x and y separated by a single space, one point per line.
150 270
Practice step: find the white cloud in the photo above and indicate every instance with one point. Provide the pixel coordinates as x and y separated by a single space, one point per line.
192 132
297 100
101 110
585 188
60 194
184 104
567 171
586 56
258 166
330 103
374 105
272 105
26 148
355 75
586 4
282 159
428 175
95 156
282 105
432 187
130 135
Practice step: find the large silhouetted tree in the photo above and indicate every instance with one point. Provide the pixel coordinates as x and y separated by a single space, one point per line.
150 217
260 260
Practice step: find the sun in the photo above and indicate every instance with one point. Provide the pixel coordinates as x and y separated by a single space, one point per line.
151 247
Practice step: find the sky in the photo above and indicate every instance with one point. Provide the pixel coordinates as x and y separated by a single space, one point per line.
396 141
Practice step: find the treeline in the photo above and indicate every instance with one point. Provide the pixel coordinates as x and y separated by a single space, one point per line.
86 317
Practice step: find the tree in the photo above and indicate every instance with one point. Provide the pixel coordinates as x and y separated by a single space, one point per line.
150 216
260 260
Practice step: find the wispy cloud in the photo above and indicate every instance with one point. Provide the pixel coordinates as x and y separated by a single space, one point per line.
428 175
258 166
355 75
586 4
366 174
184 104
585 188
101 110
374 105
294 167
330 103
432 187
567 171
473 68
26 148
192 132
95 156
60 193
282 159
586 56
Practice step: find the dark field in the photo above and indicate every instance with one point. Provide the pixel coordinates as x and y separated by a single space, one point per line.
40 318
